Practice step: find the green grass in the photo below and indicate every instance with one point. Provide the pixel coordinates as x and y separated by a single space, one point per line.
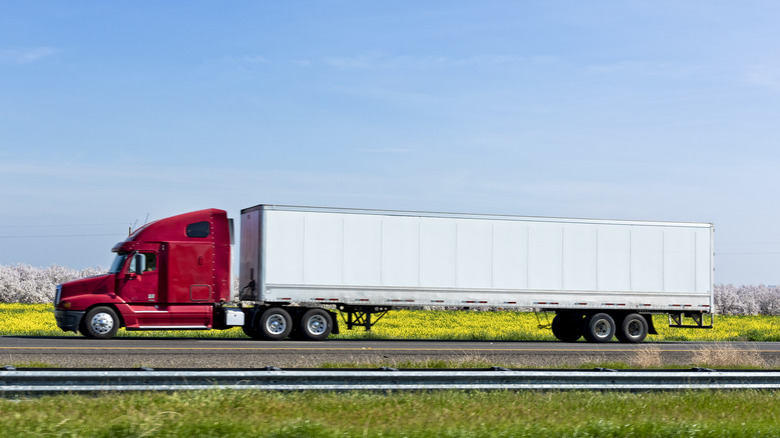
416 414
409 414
33 364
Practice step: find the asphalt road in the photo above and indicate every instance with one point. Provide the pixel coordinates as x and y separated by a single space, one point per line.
247 353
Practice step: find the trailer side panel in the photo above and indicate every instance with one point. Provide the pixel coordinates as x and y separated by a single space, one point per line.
361 257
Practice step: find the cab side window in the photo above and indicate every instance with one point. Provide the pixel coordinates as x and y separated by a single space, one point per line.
151 262
143 262
199 229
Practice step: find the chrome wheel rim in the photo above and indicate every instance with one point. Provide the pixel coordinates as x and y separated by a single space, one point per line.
317 325
102 323
602 328
276 324
634 328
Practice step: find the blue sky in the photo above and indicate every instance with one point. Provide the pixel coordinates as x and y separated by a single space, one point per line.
112 112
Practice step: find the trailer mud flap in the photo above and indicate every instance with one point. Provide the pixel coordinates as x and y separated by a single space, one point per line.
650 326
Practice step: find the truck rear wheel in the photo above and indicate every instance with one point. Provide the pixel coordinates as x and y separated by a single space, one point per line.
252 331
599 327
315 325
633 329
275 324
100 323
567 327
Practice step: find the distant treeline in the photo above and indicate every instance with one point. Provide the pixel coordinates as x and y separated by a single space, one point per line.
27 284
747 300
22 283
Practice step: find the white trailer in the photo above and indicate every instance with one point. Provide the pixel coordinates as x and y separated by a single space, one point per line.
602 278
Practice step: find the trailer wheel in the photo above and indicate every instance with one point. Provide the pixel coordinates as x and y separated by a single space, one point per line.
100 323
567 327
275 324
599 327
633 329
314 325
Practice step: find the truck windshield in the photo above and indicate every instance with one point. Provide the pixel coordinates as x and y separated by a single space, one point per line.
116 266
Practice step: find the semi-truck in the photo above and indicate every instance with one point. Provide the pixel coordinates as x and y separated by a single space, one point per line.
307 272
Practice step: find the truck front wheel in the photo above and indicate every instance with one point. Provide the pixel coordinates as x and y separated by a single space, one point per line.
275 324
100 323
252 331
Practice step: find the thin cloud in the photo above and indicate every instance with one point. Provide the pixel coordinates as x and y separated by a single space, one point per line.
397 97
251 59
238 62
385 150
388 62
25 55
302 63
765 76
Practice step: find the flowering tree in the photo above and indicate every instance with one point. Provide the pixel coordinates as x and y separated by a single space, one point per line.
22 283
747 300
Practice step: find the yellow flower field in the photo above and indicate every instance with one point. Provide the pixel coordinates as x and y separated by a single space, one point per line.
524 326
38 320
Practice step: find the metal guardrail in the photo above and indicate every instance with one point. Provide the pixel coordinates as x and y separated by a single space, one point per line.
13 381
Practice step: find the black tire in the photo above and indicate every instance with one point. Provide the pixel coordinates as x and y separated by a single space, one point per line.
314 325
633 329
252 331
567 327
274 324
599 327
100 323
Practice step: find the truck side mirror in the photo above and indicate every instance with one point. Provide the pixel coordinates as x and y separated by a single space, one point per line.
139 260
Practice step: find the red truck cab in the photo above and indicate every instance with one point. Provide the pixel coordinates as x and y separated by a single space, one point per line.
171 274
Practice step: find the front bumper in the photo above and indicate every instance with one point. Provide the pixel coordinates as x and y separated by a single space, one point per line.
69 320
